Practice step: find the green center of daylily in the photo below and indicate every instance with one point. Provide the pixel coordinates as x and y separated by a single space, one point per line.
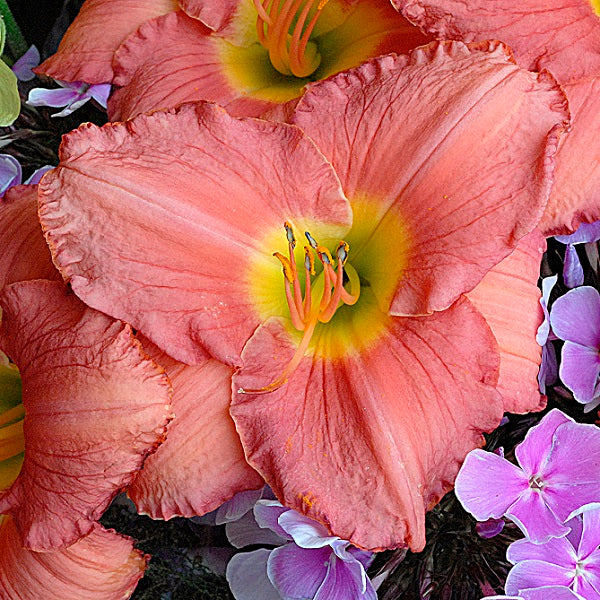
284 28
12 412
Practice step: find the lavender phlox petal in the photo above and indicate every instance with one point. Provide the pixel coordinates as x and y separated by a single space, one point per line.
586 232
535 519
341 583
100 93
247 576
236 507
536 573
548 373
10 172
558 551
532 452
584 586
575 317
490 528
552 592
298 572
575 522
267 513
579 370
246 531
37 175
55 97
572 269
590 536
72 107
571 471
306 532
543 331
487 484
24 64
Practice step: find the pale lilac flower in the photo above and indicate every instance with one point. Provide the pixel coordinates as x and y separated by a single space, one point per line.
309 563
11 173
559 472
491 527
551 592
24 65
548 373
571 562
573 270
71 95
575 318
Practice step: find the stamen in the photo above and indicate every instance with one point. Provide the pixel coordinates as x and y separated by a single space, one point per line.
302 314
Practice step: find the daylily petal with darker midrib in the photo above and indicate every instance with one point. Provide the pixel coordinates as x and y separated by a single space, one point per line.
86 50
100 566
76 365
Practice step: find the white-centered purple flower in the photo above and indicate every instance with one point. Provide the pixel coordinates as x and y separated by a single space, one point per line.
70 95
548 373
24 65
575 318
11 173
559 473
571 562
308 563
573 270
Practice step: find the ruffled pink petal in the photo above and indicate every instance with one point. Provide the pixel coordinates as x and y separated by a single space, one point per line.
575 196
25 254
94 409
508 298
170 60
404 138
101 566
201 464
367 443
560 35
193 181
216 15
86 50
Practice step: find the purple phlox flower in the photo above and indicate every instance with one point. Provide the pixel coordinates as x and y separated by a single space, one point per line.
308 562
11 173
492 527
71 95
24 65
548 373
572 270
575 318
571 562
559 466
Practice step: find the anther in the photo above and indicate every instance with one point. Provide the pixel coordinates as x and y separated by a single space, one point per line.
288 272
289 232
311 240
342 252
324 255
309 260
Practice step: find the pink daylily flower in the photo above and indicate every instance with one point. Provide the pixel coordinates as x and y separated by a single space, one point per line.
371 387
563 37
233 53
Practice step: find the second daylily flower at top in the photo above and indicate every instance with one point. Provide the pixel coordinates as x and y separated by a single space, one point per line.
413 176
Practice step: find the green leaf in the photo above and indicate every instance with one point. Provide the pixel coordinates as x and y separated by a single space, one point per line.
2 34
10 103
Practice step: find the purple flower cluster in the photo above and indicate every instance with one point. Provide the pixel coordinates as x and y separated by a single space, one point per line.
553 497
307 561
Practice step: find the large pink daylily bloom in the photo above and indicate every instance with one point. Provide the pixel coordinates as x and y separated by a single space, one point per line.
239 53
100 566
171 483
360 399
563 37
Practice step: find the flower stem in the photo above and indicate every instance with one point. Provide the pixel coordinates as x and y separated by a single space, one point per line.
14 38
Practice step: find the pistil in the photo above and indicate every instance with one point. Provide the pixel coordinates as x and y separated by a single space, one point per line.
290 50
304 315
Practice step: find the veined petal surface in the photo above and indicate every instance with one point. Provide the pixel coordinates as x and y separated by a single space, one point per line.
560 35
207 190
86 51
201 464
367 442
103 565
508 298
25 254
95 407
404 135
